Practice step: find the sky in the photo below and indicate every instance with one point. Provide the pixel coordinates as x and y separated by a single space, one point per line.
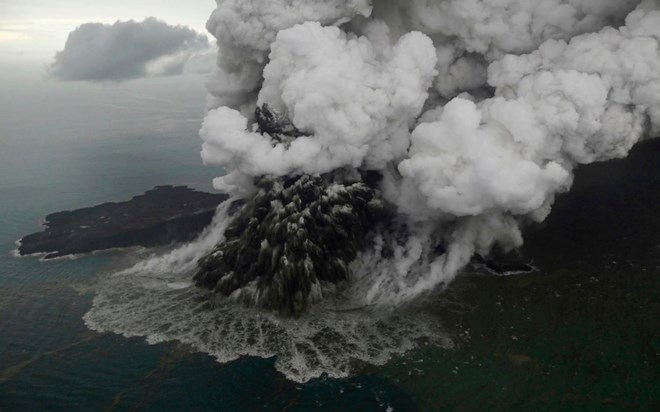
38 110
39 28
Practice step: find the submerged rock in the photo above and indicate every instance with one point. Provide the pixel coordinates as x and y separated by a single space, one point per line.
296 236
163 215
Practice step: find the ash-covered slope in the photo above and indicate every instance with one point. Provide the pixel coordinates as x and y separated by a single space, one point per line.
294 237
163 215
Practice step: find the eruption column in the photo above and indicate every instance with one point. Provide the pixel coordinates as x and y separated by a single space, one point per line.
472 114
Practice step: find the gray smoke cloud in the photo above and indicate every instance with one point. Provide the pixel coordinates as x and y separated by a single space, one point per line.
476 112
126 50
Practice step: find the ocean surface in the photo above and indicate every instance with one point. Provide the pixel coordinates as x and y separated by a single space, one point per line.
581 334
49 360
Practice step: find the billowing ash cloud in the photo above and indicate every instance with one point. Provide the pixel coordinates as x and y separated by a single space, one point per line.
308 61
246 29
126 50
475 112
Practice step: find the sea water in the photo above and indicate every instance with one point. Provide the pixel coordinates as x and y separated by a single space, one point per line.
580 334
49 360
64 147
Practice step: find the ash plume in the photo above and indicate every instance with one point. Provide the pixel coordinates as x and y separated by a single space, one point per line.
473 114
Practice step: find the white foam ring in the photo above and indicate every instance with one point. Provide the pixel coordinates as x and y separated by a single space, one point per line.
155 299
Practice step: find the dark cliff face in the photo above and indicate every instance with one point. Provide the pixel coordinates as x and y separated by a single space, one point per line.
294 236
161 216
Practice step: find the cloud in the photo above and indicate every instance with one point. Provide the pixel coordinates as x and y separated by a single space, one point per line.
126 50
245 31
12 36
201 63
355 97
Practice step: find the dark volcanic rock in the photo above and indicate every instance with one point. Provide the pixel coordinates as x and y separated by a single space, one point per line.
278 126
293 237
163 215
511 263
296 236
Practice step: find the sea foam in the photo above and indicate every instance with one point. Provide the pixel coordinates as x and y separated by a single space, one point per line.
153 300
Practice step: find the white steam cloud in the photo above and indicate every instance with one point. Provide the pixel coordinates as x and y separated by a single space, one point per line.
475 111
126 50
245 31
366 121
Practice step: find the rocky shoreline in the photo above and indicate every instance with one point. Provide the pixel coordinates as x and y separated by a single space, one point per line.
160 216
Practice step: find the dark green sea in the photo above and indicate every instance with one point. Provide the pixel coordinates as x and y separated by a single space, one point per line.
49 360
581 334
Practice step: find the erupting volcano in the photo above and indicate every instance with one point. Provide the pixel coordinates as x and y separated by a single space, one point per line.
375 149
409 134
